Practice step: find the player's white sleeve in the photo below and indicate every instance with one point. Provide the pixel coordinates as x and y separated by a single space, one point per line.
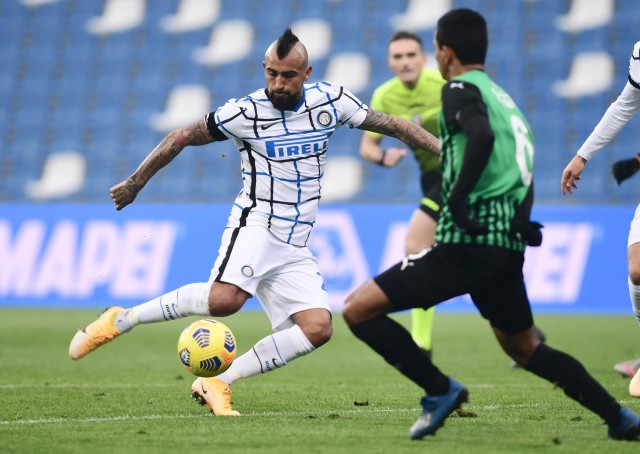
634 66
619 113
353 111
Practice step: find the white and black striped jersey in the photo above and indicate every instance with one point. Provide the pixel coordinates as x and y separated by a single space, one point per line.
283 154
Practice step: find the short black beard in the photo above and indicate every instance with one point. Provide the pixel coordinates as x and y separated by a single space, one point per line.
287 104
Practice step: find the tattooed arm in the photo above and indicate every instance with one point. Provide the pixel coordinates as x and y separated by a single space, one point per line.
197 133
410 133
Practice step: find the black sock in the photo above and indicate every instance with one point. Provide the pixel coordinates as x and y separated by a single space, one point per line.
570 375
395 345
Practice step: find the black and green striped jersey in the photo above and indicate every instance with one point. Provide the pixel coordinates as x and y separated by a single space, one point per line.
505 180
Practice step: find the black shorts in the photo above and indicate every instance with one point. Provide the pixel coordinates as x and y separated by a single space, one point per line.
431 183
492 276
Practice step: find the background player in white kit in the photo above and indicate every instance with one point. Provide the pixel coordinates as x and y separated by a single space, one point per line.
613 120
282 133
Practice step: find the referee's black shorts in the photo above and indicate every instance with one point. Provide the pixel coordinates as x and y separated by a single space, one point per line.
492 276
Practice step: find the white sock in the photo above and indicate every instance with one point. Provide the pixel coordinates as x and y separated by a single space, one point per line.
269 354
191 299
634 293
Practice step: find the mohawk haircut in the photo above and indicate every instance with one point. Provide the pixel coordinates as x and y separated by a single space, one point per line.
285 43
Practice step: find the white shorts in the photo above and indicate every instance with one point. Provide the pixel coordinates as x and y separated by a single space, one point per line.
634 229
285 278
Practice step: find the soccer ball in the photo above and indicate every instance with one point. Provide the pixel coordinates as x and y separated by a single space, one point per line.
206 348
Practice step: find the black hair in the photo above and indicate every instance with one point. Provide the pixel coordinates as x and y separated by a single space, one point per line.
465 32
404 34
285 43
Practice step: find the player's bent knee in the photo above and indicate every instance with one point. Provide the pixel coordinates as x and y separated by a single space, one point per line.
634 263
223 306
365 303
318 334
223 309
321 336
634 275
354 311
349 313
226 299
354 314
316 325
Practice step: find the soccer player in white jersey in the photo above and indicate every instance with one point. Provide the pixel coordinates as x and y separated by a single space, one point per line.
282 133
613 120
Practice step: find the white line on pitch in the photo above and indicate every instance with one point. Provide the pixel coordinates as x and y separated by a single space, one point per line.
254 414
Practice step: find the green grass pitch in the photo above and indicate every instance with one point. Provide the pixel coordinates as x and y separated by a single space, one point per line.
134 396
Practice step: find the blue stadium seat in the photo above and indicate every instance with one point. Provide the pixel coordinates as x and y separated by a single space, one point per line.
62 87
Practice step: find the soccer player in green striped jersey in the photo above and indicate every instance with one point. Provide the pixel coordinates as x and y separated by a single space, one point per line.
414 94
487 187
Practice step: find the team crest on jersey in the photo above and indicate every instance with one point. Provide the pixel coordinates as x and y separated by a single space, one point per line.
324 118
247 271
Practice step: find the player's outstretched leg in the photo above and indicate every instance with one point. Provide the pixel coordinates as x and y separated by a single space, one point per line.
190 299
435 409
98 333
215 393
629 427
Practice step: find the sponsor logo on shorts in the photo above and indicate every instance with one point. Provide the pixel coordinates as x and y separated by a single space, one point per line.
409 259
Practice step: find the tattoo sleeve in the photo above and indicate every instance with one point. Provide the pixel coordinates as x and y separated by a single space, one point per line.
193 134
410 133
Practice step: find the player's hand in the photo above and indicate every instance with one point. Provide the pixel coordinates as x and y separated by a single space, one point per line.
625 168
124 193
571 174
393 156
529 232
463 220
